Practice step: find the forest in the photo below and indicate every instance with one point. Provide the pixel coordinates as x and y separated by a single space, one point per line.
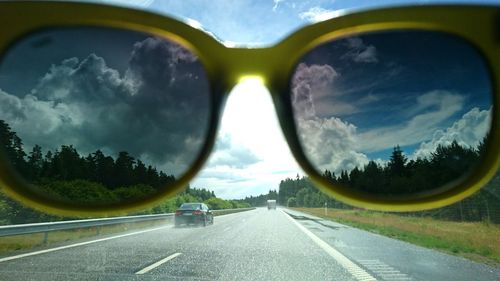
96 178
400 175
259 200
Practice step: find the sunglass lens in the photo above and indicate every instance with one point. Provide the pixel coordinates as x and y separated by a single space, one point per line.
101 115
393 112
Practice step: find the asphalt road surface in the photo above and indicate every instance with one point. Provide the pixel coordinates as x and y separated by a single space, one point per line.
254 245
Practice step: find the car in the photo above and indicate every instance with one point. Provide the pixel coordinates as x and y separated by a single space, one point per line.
193 213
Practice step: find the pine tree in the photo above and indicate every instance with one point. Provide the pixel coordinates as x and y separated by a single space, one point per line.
397 163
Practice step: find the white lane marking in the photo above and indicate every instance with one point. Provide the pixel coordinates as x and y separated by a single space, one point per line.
356 271
385 271
158 263
227 229
79 244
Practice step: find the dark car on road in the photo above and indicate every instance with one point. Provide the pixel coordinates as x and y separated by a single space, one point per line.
193 213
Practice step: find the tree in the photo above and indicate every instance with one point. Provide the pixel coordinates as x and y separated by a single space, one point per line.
35 162
12 146
67 164
300 197
354 177
140 172
397 163
272 195
330 176
104 169
451 162
123 170
218 204
344 178
134 192
372 178
152 176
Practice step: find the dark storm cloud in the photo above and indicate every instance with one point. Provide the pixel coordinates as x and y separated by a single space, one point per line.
156 110
158 62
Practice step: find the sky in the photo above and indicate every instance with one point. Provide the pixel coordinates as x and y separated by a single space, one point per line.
357 98
84 95
96 95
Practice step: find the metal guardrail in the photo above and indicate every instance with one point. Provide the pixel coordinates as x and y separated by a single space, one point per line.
45 227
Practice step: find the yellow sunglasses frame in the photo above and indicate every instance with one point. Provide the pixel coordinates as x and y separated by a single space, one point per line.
225 67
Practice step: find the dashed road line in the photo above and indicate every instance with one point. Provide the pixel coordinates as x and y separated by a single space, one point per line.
158 263
385 271
356 271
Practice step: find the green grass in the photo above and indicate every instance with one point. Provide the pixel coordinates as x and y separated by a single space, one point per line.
478 241
30 241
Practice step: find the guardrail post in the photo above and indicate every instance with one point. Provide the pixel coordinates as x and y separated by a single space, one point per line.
45 238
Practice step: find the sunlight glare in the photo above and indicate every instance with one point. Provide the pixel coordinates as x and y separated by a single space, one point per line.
250 124
251 121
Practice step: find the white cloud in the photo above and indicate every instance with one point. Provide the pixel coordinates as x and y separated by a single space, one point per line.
314 93
334 144
228 154
330 143
309 84
248 22
468 131
317 14
359 51
276 4
435 107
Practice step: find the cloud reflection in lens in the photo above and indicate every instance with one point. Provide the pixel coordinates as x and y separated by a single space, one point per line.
393 112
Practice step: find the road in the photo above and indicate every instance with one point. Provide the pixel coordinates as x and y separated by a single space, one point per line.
255 245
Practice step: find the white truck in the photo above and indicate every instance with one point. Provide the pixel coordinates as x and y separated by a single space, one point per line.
271 204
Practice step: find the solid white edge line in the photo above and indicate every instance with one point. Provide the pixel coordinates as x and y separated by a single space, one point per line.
351 267
78 244
158 263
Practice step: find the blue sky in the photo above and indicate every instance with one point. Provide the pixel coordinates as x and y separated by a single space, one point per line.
382 83
356 115
262 21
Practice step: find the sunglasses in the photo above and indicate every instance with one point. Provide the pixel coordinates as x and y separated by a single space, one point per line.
393 109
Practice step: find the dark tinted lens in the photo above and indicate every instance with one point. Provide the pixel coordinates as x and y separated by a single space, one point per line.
100 115
393 112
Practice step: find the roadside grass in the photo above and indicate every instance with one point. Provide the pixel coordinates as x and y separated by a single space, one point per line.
479 241
30 241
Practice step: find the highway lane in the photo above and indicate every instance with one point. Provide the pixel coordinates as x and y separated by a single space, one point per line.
390 259
253 245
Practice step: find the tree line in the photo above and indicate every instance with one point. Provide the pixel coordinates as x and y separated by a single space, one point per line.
259 200
66 164
402 176
96 178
